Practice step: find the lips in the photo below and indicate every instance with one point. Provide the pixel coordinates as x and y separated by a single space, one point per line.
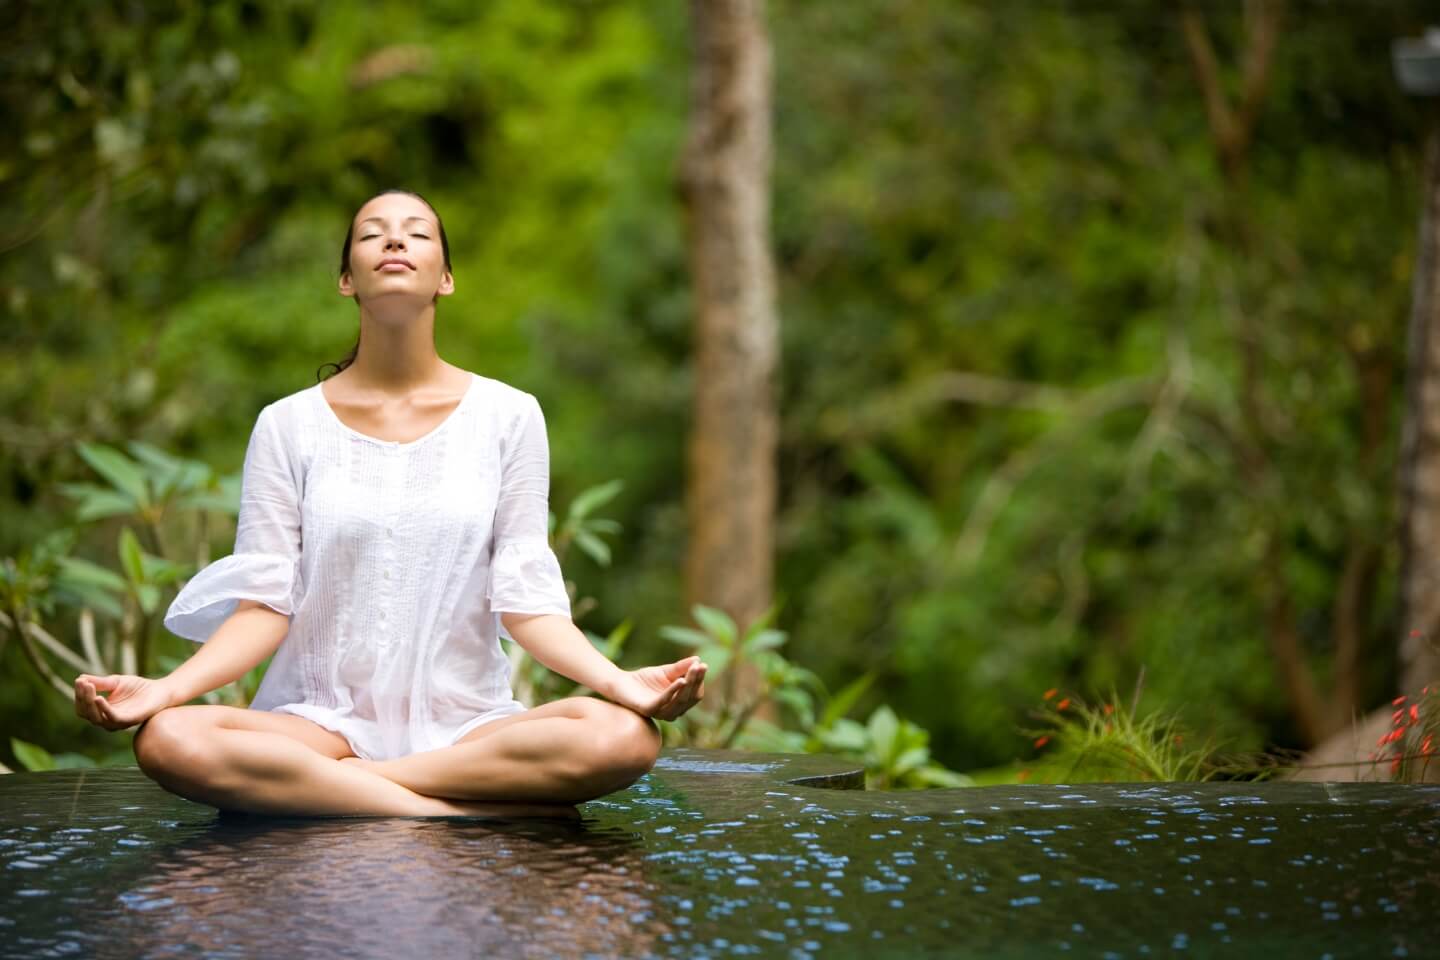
395 262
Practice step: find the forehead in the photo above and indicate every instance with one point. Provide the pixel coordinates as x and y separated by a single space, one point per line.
395 206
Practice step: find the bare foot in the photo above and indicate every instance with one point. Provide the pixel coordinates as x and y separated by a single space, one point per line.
448 807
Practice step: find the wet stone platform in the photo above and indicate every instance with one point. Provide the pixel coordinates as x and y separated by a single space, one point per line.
733 854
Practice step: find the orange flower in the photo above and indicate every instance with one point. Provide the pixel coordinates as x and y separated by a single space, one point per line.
1041 741
1109 709
1050 693
1178 738
1022 776
1063 704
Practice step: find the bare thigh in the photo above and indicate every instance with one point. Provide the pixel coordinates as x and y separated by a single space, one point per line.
199 716
575 708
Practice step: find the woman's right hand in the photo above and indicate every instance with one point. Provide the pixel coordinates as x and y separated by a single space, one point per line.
131 699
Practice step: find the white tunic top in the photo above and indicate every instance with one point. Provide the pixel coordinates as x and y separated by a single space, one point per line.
393 561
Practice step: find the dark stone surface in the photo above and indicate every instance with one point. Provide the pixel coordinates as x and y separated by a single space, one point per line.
732 854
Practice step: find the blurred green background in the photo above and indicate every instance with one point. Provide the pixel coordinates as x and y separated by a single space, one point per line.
1207 369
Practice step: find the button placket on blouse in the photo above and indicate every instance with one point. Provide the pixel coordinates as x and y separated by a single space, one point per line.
394 474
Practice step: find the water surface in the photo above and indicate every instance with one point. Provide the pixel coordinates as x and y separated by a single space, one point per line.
719 854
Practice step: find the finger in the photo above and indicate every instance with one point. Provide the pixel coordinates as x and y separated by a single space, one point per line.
96 703
86 702
107 714
668 698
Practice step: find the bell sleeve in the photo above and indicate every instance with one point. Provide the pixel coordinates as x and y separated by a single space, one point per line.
524 572
265 564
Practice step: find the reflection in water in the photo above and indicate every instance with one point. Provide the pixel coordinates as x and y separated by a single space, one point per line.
358 888
710 857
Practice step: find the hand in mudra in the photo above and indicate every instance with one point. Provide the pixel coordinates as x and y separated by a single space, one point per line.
131 699
664 692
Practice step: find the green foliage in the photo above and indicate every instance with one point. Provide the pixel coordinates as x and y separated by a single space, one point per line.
36 758
1082 743
531 681
895 751
176 188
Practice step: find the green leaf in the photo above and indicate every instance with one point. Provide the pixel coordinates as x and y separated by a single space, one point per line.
122 472
685 636
72 761
715 622
149 596
909 760
936 776
846 735
592 497
766 640
78 571
884 726
597 549
96 503
842 702
132 557
31 756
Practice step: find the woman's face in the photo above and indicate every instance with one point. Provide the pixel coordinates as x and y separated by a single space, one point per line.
395 251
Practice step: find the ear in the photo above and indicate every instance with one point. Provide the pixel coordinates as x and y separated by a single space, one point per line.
347 288
447 285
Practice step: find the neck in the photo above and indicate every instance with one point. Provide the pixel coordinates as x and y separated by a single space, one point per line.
397 346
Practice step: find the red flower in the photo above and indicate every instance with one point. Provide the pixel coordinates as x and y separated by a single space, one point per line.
1394 766
1414 713
1397 701
1425 747
1050 693
1041 741
1109 709
1063 704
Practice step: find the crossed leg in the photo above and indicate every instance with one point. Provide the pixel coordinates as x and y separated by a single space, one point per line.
273 763
566 751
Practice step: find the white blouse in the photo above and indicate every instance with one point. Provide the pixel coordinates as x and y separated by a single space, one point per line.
393 561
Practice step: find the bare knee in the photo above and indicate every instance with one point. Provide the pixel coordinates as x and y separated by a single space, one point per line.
625 746
170 748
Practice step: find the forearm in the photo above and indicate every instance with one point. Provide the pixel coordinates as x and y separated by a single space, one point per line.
557 643
247 637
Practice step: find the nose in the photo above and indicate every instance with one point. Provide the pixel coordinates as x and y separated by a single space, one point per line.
395 242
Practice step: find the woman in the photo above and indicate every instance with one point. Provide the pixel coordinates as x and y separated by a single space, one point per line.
393 519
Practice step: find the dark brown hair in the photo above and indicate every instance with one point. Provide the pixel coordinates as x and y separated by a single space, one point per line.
345 267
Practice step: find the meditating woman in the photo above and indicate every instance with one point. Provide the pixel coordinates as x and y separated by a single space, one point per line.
393 519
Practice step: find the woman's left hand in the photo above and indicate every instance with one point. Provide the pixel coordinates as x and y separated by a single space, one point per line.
663 692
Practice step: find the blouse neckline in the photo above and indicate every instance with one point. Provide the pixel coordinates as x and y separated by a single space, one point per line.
398 444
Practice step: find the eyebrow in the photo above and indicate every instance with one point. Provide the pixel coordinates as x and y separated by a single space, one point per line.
406 220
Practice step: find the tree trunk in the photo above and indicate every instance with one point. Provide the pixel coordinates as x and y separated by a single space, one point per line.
1419 471
725 184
